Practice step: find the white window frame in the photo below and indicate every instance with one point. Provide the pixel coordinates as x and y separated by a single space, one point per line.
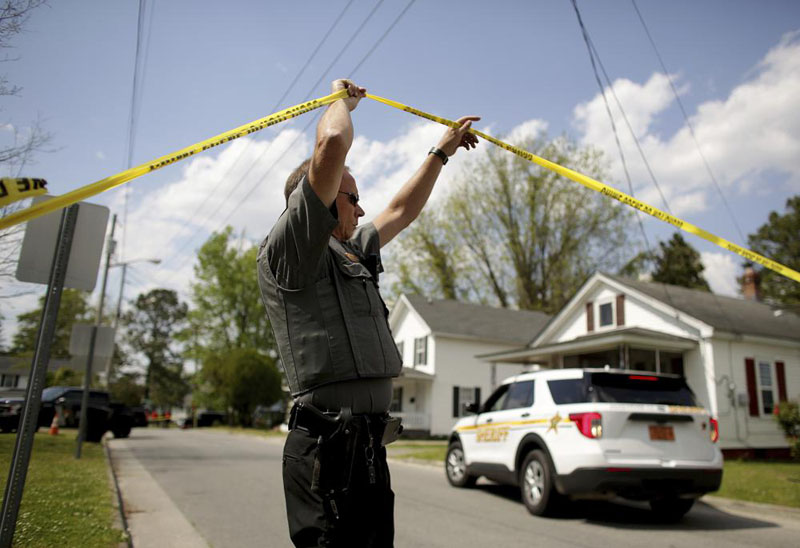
421 351
613 323
462 400
759 388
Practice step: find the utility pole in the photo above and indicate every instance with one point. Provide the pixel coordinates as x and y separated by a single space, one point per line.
87 378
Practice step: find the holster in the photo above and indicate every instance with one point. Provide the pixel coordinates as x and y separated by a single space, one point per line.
340 438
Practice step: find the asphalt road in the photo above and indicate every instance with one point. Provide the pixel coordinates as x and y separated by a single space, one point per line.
229 487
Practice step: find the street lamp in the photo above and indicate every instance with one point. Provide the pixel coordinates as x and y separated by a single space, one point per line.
124 265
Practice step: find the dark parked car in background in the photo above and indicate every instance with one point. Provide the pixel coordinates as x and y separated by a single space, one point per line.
206 418
10 411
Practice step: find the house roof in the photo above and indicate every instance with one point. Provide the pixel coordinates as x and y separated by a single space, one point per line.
724 313
446 317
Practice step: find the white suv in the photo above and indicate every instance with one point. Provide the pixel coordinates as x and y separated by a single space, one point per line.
589 433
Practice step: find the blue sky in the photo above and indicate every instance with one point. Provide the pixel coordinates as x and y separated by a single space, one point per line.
521 65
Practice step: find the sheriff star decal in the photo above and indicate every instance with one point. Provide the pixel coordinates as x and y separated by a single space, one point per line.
554 420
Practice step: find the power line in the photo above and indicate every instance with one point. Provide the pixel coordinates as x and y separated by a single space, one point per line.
138 66
352 72
305 128
248 142
592 54
688 123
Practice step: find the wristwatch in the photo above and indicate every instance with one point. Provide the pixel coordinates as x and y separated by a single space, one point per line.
440 153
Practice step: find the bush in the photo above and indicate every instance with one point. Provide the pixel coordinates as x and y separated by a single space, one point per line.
787 414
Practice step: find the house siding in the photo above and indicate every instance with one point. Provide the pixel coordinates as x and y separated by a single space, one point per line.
738 430
456 365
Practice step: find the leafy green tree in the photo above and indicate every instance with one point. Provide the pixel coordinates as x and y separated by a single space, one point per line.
64 376
678 263
127 389
74 308
243 378
151 325
227 312
779 239
514 234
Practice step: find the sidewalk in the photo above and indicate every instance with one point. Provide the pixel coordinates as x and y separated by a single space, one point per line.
153 519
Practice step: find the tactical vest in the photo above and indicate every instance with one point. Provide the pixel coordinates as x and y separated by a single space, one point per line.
334 330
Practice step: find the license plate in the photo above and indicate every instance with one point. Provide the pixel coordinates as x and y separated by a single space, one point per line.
662 433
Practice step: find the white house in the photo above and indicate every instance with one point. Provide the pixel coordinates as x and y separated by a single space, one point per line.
740 356
439 341
15 371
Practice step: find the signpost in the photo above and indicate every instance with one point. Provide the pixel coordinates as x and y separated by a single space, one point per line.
72 245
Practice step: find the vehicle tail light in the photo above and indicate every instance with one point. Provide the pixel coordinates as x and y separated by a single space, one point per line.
714 424
642 378
589 424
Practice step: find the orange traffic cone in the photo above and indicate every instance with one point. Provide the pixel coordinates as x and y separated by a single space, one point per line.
54 425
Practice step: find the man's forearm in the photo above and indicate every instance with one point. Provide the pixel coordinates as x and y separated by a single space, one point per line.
414 194
333 140
334 137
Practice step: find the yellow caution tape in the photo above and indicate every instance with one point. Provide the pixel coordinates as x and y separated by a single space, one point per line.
291 112
611 192
14 189
125 176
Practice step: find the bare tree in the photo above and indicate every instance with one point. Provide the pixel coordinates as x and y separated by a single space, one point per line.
513 234
18 150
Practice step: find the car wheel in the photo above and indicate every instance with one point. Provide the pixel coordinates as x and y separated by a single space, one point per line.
456 468
536 484
671 508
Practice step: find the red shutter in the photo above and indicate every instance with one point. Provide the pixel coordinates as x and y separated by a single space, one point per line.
780 372
620 309
589 317
752 394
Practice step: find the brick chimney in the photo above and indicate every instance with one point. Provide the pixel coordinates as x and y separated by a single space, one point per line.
751 283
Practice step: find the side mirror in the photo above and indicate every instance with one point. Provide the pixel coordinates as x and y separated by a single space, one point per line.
472 407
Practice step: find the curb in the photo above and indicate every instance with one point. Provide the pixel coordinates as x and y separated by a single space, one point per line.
726 504
119 519
153 519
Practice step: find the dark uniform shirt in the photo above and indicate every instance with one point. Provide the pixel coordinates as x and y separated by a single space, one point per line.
323 302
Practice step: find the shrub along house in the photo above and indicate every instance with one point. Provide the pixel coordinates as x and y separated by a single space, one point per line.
740 356
439 340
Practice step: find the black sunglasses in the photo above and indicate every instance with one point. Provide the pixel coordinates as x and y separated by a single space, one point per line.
352 196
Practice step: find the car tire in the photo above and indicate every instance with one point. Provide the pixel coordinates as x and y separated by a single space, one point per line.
670 509
455 467
536 483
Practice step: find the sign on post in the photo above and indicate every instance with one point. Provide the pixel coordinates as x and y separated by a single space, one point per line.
39 244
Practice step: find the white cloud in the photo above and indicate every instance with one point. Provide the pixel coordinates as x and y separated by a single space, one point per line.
721 270
241 186
100 155
742 136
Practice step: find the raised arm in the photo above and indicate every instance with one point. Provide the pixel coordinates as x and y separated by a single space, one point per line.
412 196
334 137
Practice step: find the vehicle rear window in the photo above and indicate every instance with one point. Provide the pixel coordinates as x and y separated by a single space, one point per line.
568 391
633 388
622 388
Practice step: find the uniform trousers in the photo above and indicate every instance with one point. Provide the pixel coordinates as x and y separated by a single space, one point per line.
337 487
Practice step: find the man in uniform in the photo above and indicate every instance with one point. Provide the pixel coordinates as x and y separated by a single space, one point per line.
318 274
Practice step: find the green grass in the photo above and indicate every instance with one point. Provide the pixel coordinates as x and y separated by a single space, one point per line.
66 502
768 482
429 451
